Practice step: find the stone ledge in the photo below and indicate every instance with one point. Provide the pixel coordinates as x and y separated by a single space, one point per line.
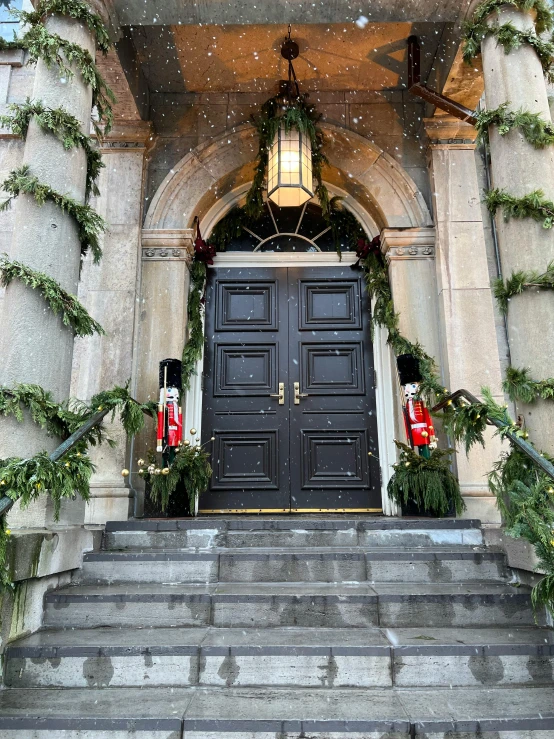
39 553
12 57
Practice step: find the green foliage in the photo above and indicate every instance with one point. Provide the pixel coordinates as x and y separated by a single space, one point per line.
429 483
345 227
507 34
5 579
91 225
525 496
73 313
74 9
60 123
25 479
190 471
520 387
520 281
192 351
130 410
44 411
228 228
465 423
534 205
538 132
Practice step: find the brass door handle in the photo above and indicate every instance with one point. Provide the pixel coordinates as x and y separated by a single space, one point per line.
280 394
298 394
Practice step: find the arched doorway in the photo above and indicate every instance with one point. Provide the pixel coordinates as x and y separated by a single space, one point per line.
209 181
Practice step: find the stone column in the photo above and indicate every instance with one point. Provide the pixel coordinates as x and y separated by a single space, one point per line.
469 348
109 292
162 324
35 346
410 255
517 79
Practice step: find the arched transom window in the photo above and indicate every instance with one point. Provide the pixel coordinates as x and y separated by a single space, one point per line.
298 229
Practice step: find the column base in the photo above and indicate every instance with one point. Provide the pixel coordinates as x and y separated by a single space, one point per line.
480 505
108 504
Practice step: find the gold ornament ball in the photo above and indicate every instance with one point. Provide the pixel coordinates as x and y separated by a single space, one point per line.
165 471
2 482
141 472
67 464
186 442
141 463
213 438
124 473
157 471
192 432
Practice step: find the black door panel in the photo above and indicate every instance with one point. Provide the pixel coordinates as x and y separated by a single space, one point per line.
285 325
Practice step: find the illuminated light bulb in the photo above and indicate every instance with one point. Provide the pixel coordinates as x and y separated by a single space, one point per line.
186 442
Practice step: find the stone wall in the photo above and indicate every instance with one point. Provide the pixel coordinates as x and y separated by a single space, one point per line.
391 119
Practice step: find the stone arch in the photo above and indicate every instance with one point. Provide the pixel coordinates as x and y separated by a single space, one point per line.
357 167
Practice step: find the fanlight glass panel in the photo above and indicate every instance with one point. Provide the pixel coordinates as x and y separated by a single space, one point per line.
289 169
300 229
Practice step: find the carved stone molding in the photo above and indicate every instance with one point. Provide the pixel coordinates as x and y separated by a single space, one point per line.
408 243
167 245
450 131
128 136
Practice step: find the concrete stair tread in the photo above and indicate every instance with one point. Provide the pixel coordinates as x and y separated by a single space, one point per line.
279 709
467 551
304 589
165 640
292 522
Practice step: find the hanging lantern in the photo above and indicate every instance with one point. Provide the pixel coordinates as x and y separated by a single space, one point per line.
289 169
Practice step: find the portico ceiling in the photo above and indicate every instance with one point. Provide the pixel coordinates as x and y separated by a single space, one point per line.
246 58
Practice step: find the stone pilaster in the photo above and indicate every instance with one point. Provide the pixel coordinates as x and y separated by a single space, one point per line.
517 79
35 345
469 348
162 325
109 292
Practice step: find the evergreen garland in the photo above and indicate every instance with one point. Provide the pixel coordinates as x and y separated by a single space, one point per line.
525 497
5 578
25 479
192 350
429 483
91 225
73 313
63 125
537 132
520 281
534 205
520 387
74 9
508 35
190 470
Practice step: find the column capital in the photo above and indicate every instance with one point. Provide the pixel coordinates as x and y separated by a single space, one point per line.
408 243
451 132
128 135
167 245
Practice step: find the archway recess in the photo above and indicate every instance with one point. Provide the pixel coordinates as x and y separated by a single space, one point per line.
357 167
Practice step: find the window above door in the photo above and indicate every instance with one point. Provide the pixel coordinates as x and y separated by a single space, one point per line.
281 230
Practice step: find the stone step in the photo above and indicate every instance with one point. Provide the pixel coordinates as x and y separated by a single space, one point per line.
290 531
268 605
309 564
249 713
281 657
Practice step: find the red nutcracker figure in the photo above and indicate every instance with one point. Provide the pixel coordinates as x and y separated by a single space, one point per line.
170 418
417 419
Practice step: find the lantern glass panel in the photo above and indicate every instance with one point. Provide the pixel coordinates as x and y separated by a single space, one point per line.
289 170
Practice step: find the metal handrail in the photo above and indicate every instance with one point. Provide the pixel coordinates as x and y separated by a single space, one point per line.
521 444
6 502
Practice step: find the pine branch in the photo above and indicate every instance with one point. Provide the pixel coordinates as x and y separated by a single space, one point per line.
429 483
190 473
520 387
537 132
73 313
193 348
520 281
62 125
91 225
534 205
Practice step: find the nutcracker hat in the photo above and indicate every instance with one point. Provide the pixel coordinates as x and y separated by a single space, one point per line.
408 369
173 373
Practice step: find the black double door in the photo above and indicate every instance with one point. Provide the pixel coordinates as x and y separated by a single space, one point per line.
289 392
